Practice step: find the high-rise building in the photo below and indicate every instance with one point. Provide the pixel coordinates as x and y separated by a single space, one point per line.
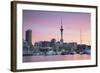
61 30
29 36
53 42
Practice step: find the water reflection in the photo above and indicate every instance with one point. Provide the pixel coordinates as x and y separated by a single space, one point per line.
56 58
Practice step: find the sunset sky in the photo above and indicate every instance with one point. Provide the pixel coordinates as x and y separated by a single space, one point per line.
45 25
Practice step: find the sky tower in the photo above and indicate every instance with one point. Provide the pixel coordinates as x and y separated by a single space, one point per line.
61 30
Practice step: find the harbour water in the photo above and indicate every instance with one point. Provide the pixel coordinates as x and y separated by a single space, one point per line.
56 58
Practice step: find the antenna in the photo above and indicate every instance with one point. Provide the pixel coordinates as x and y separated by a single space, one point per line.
80 36
61 21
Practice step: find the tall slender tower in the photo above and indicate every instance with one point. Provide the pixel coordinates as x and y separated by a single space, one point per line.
61 30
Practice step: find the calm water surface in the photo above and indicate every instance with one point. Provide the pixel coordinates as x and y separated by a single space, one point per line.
55 58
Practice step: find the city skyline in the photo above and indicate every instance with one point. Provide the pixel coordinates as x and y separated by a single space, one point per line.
46 25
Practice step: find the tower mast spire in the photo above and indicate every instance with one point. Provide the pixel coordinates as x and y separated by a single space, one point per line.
80 36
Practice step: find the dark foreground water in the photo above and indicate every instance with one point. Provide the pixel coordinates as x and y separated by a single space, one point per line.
55 58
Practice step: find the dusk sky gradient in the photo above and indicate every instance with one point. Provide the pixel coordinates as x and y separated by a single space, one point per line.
45 25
